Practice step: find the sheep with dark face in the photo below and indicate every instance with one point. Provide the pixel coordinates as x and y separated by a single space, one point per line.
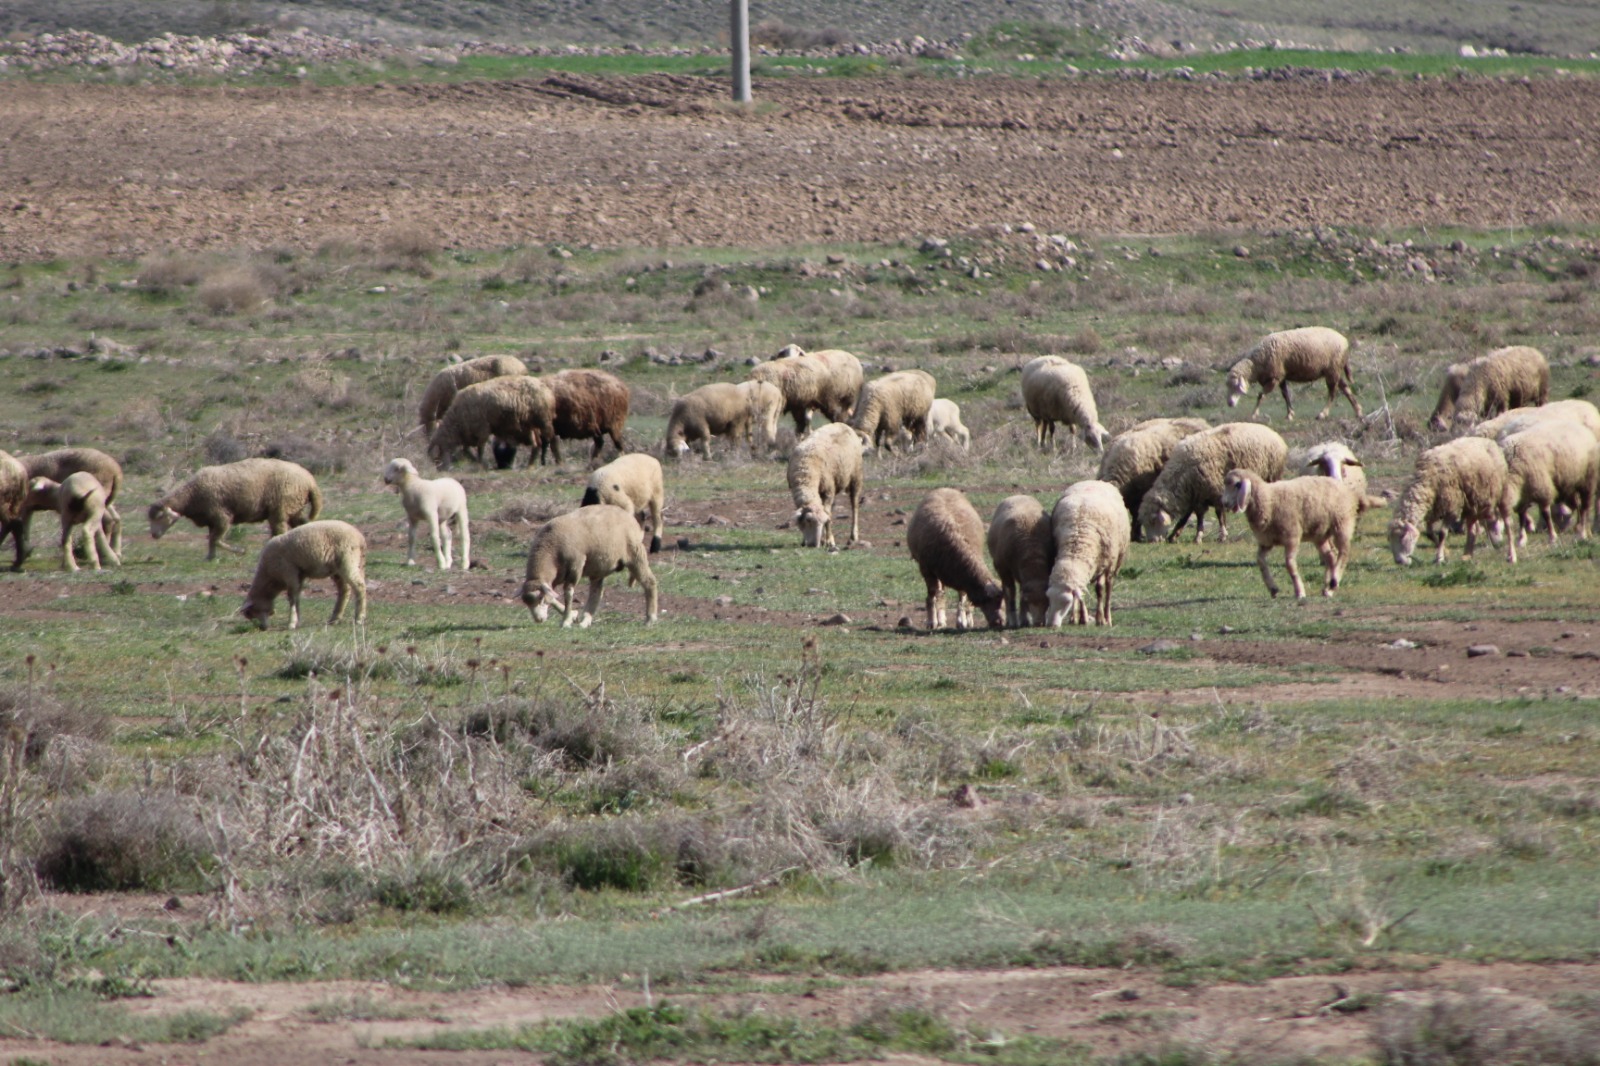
1312 353
945 538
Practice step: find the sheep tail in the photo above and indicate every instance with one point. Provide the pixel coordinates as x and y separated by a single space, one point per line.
314 502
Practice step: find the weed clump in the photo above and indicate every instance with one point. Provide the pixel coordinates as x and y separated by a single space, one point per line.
1455 1029
123 841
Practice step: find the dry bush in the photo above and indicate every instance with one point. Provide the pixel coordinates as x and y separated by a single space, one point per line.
325 388
1481 1029
42 719
412 243
170 274
223 447
233 290
328 456
775 33
122 841
140 416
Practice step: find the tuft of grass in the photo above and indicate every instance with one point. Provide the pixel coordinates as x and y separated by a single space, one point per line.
123 841
1478 1029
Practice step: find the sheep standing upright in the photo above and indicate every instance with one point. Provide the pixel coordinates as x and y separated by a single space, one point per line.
80 500
1023 548
1133 459
590 544
441 502
589 405
441 391
14 506
1461 481
1057 390
633 483
823 465
895 403
515 408
945 538
1091 530
747 412
1191 481
1311 353
1283 514
842 379
1551 464
1517 376
329 548
275 491
62 463
806 384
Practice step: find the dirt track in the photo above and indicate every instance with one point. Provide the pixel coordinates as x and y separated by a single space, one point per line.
662 160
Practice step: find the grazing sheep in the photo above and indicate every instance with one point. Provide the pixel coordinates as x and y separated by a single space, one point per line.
80 500
1133 459
1317 509
1511 377
517 408
1460 481
1091 530
589 405
1056 390
329 548
824 464
14 506
438 502
1520 418
1023 548
275 491
1334 459
62 463
441 391
633 483
806 384
945 537
844 379
593 543
1312 353
745 412
1551 463
1191 481
944 417
894 403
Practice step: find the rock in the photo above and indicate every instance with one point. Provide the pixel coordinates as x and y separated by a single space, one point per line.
1401 644
1241 251
966 796
1476 651
931 245
716 520
840 619
1225 630
1155 647
723 601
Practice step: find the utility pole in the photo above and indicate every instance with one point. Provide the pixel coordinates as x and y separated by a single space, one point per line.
740 36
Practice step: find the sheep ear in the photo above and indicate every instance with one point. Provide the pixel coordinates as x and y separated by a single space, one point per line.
797 514
1241 494
1352 461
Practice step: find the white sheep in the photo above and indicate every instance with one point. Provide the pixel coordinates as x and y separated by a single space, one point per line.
590 543
14 505
1023 548
275 491
1057 390
895 403
62 463
843 383
1334 459
1520 418
1283 514
1550 464
1091 530
1461 481
1133 459
1191 481
634 483
517 408
80 500
1311 353
806 384
440 502
747 411
441 391
328 548
823 465
1517 376
944 417
945 538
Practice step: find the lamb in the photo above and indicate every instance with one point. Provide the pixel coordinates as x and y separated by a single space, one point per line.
1511 377
1520 418
844 379
806 384
944 417
1460 481
589 405
1023 548
329 548
1311 353
1192 479
746 412
80 500
438 502
14 505
1317 509
441 391
275 491
516 408
62 463
1092 531
593 543
1056 390
945 537
1551 463
1334 459
633 483
824 464
894 403
1134 458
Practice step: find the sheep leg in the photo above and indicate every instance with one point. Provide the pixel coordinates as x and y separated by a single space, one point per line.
855 515
443 553
590 608
464 534
1008 590
218 532
1290 550
105 548
1331 564
640 572
342 588
292 594
1257 408
1437 536
1102 605
68 562
963 612
411 542
567 617
1222 524
1549 522
1266 569
112 520
1288 402
935 602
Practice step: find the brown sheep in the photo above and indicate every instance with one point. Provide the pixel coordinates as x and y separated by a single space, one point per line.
945 537
441 391
589 405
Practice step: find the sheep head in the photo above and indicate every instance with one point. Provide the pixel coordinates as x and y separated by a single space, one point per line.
42 494
162 518
1236 490
1238 382
537 596
258 613
1095 436
398 472
1403 540
1157 528
992 604
814 522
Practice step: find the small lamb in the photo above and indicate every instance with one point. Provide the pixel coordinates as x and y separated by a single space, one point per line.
589 543
80 500
944 417
440 502
1284 513
328 548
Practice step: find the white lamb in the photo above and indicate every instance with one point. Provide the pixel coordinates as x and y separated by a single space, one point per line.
1283 514
823 465
632 482
328 548
1312 353
590 544
440 502
1057 390
80 500
944 417
1092 531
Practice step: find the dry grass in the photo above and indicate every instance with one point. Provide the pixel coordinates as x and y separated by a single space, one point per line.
1481 1029
234 290
119 840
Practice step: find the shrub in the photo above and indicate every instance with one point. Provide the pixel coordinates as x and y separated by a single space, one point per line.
166 275
122 841
232 291
1452 1029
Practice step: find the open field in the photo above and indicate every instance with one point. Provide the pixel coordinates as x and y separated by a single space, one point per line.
1032 846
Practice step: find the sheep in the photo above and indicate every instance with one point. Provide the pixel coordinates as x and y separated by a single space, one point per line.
13 506
1463 480
944 417
1311 353
1520 418
328 548
441 391
806 384
747 411
1023 548
438 502
1133 459
1551 463
945 538
62 463
517 408
843 379
1056 390
633 483
826 463
1511 377
895 402
80 500
1091 530
1334 459
589 405
1318 509
593 543
1192 479
275 491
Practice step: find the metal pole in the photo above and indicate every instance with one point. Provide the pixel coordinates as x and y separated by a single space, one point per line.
741 50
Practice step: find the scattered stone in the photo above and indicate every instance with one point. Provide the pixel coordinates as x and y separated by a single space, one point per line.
1401 644
1475 651
716 520
1225 630
683 544
723 601
1241 251
840 619
1155 647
